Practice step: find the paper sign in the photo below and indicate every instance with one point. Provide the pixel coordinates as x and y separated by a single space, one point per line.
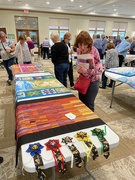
70 115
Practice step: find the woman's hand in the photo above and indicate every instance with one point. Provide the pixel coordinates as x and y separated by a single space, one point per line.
81 69
8 50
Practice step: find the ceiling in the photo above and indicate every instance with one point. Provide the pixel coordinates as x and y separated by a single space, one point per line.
114 8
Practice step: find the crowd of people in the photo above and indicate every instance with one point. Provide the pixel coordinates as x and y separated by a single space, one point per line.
99 47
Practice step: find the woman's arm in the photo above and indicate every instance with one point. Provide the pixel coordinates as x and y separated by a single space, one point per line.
97 70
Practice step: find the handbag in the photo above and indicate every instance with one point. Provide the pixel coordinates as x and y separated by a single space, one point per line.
82 83
11 54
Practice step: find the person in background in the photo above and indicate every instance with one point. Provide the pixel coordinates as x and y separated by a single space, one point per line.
122 49
84 43
7 46
111 61
126 37
94 36
45 47
22 51
60 59
132 47
104 42
30 43
1 159
98 44
67 38
117 40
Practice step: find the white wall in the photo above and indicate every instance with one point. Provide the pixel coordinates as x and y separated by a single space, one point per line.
77 22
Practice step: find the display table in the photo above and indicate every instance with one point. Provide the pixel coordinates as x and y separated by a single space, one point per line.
42 104
122 75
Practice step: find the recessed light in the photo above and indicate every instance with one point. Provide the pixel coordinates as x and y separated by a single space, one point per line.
47 2
80 6
72 0
115 9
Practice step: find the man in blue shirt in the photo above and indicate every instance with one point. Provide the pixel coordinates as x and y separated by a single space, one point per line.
122 49
104 42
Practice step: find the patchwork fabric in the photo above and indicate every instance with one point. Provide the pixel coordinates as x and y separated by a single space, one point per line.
39 120
26 68
38 86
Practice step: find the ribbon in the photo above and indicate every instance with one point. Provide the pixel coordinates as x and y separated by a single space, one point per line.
104 143
88 145
75 152
54 146
35 151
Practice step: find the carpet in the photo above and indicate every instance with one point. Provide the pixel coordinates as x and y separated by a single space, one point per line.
120 118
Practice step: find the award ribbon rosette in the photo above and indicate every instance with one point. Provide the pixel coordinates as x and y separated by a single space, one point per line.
35 151
74 150
104 143
54 146
89 146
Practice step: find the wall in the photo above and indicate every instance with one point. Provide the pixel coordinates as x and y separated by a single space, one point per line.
77 22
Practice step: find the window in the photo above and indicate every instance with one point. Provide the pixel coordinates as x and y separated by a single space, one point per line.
96 27
22 22
58 25
27 26
119 28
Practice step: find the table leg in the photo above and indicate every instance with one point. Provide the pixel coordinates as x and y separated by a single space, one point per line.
53 173
86 169
113 88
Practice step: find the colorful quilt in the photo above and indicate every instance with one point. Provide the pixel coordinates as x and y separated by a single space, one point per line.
27 68
38 86
40 120
128 80
125 71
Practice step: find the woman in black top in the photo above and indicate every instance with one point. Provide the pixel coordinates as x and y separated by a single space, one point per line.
59 54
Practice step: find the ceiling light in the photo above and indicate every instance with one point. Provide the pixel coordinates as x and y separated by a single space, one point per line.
115 9
72 0
47 2
80 6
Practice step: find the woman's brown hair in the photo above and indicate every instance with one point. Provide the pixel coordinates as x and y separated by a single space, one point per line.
22 37
110 46
83 37
67 35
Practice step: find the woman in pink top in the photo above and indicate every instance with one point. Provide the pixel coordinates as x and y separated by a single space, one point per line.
84 43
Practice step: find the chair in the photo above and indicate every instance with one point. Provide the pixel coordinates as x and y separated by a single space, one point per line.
34 53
